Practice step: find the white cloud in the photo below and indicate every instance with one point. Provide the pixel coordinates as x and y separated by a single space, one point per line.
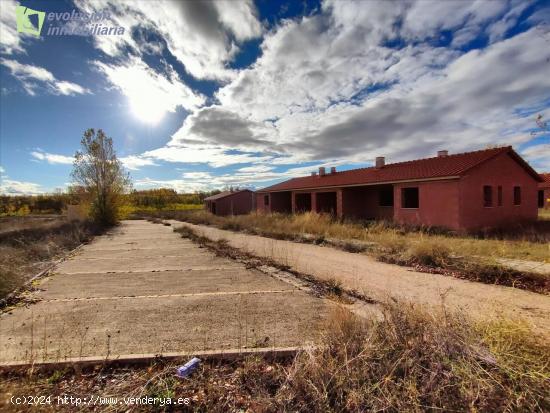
538 156
256 169
211 155
327 88
52 158
197 175
135 163
149 93
10 39
247 177
12 187
203 35
315 95
69 88
33 77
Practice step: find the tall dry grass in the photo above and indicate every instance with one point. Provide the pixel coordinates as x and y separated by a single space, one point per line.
470 257
409 360
23 253
528 244
414 360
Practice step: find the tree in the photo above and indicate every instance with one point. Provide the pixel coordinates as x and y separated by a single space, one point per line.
100 173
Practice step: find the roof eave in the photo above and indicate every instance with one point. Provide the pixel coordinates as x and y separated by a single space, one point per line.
400 181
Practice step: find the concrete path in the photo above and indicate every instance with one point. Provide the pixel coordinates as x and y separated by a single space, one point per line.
526 265
380 280
142 289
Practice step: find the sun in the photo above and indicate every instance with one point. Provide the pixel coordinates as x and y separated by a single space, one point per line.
147 109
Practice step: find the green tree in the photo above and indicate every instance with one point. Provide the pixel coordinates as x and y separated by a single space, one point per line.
100 173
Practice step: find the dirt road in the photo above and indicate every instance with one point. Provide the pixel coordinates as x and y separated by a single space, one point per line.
143 290
380 280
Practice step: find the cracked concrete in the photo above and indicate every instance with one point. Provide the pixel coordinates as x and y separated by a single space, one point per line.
142 289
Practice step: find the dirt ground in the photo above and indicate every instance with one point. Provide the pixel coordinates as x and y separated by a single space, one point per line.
380 280
142 289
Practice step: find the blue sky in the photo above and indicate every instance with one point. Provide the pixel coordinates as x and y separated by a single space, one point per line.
205 95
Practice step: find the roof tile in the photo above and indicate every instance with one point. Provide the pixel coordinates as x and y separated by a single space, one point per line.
437 167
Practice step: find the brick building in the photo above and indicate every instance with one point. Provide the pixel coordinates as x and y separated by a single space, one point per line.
486 188
544 192
230 202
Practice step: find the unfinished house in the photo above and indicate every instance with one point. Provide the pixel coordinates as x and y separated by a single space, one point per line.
543 195
230 202
465 191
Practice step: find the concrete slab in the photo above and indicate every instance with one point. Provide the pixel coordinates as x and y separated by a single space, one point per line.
142 289
169 251
59 330
138 264
112 244
61 286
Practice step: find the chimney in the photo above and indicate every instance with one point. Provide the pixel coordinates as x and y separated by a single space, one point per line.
380 161
321 171
314 173
332 169
442 154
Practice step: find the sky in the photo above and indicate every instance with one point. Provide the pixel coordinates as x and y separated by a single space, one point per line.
208 95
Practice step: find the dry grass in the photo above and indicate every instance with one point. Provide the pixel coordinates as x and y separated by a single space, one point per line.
408 360
25 252
544 214
469 257
16 223
530 242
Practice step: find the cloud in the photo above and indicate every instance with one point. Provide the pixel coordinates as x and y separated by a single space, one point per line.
33 77
132 162
12 187
318 96
51 158
149 93
135 163
203 35
217 125
69 88
197 175
10 39
205 154
539 156
350 82
246 177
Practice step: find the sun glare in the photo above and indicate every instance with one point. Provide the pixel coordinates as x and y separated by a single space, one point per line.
147 110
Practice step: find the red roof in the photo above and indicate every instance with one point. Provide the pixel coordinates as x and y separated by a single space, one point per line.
420 169
546 180
224 194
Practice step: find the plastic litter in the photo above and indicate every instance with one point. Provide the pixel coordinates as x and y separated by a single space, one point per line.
188 368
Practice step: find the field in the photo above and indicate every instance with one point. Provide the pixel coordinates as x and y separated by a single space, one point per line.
30 244
409 360
523 243
473 257
43 221
129 211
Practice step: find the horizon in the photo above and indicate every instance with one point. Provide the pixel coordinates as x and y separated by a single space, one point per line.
199 96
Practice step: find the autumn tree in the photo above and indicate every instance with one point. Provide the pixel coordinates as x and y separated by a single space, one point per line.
100 173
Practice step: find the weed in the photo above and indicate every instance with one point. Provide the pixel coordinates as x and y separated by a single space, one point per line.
55 377
25 252
412 359
427 249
